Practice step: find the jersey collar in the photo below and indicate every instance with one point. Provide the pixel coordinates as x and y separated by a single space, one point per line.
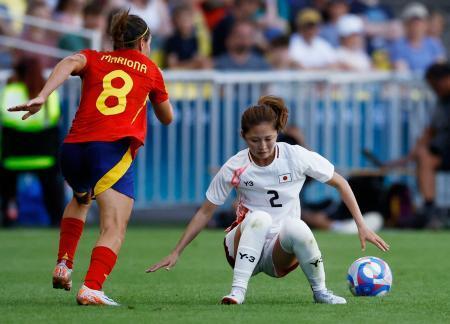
277 155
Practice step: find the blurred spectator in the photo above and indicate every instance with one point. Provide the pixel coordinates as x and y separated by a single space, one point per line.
416 51
182 48
116 4
30 145
70 12
432 150
294 7
270 20
214 11
320 6
306 47
5 30
93 18
241 10
381 28
335 10
155 13
436 25
240 55
39 9
201 28
157 16
351 55
278 56
14 8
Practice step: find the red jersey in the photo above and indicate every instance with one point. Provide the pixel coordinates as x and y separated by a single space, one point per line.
115 88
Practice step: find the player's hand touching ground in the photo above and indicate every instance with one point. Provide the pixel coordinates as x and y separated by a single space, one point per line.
32 107
365 234
167 263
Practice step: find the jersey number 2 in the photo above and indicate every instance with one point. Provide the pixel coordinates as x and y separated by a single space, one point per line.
275 197
109 91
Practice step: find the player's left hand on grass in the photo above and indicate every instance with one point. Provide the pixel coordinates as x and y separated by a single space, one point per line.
365 234
31 107
167 263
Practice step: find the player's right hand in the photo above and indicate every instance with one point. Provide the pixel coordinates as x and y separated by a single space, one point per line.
32 107
167 263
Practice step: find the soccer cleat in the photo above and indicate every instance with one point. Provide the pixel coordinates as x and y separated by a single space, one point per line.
62 277
236 297
232 299
327 297
87 296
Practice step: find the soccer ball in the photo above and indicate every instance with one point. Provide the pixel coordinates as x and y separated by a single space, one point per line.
369 276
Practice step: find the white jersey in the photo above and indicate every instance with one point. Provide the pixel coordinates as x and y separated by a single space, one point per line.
274 188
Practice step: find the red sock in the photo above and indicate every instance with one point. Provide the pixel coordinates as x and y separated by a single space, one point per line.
103 260
70 233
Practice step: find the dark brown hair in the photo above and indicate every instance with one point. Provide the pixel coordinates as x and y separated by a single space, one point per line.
126 30
94 8
29 71
269 109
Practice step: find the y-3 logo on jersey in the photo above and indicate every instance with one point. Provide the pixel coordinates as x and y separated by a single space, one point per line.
248 183
246 256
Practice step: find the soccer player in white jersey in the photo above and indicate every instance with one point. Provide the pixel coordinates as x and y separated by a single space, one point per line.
268 235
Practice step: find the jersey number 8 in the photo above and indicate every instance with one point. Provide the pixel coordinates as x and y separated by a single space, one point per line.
109 91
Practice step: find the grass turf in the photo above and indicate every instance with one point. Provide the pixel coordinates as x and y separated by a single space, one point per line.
190 292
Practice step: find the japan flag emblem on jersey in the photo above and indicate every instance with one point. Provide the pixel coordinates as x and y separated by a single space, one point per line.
285 178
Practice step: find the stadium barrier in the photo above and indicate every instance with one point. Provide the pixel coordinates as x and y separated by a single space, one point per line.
340 114
21 22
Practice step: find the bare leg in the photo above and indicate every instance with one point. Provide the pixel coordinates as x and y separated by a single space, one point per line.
282 260
115 211
427 163
76 210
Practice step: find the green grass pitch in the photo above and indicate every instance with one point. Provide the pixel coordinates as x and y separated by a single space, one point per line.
190 292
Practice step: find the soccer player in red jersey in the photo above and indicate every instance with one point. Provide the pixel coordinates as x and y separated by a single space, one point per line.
98 153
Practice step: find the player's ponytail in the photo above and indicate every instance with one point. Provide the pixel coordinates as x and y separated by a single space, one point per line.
278 106
269 109
126 30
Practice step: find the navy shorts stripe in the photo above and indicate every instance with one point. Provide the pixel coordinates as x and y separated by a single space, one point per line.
84 164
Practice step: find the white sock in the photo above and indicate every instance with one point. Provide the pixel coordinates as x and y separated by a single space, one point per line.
296 238
254 229
238 291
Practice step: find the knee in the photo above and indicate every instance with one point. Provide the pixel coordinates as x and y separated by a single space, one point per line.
258 221
82 200
295 231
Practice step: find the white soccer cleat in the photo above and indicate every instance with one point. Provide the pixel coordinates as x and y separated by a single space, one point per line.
236 297
87 296
62 277
327 297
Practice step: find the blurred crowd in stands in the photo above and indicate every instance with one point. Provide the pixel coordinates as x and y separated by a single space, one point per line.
350 35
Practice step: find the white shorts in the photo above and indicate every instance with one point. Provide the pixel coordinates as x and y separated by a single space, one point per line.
265 263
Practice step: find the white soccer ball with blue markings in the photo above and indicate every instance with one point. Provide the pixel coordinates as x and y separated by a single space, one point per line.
369 276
